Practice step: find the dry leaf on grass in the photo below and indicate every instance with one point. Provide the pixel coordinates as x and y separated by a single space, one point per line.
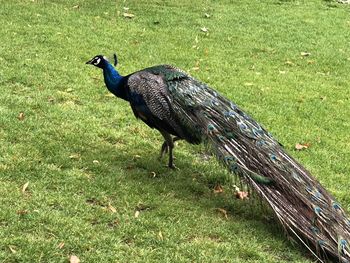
128 15
74 156
223 212
21 116
22 212
299 146
204 29
112 208
160 235
137 214
24 187
136 156
305 54
114 223
218 189
12 249
60 245
74 259
241 195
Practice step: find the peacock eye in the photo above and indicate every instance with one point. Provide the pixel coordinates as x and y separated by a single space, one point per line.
97 61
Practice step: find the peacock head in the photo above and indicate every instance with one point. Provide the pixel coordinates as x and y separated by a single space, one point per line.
100 61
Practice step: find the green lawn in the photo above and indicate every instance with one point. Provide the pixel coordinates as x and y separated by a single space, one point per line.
91 165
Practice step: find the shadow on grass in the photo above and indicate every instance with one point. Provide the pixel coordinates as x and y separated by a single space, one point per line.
193 182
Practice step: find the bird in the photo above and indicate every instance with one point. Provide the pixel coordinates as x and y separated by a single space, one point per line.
181 107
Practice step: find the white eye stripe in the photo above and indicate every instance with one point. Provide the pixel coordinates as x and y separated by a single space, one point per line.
97 61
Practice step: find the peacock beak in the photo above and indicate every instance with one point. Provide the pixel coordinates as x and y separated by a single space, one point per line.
89 62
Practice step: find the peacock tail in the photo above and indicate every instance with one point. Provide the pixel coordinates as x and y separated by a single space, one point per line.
168 99
304 208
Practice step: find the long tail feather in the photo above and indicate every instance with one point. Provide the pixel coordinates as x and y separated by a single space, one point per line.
304 208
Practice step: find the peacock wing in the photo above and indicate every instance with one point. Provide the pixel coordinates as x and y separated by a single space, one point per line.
152 102
150 90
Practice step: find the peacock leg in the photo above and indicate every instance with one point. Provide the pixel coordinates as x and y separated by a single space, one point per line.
168 145
164 148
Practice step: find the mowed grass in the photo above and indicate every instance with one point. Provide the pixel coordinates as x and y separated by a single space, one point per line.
91 165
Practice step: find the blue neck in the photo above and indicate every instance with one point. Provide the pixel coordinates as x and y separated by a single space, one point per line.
114 81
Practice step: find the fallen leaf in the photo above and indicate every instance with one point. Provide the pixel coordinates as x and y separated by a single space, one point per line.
95 162
142 207
303 146
160 235
305 54
204 29
21 116
74 259
24 187
241 195
76 7
223 212
206 15
195 68
111 208
114 223
60 245
137 214
69 90
218 189
22 212
93 201
153 174
248 84
12 249
128 15
289 63
74 156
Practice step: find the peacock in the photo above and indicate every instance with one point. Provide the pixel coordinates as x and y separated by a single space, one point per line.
183 108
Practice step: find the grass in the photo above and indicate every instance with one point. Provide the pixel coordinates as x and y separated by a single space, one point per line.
90 165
